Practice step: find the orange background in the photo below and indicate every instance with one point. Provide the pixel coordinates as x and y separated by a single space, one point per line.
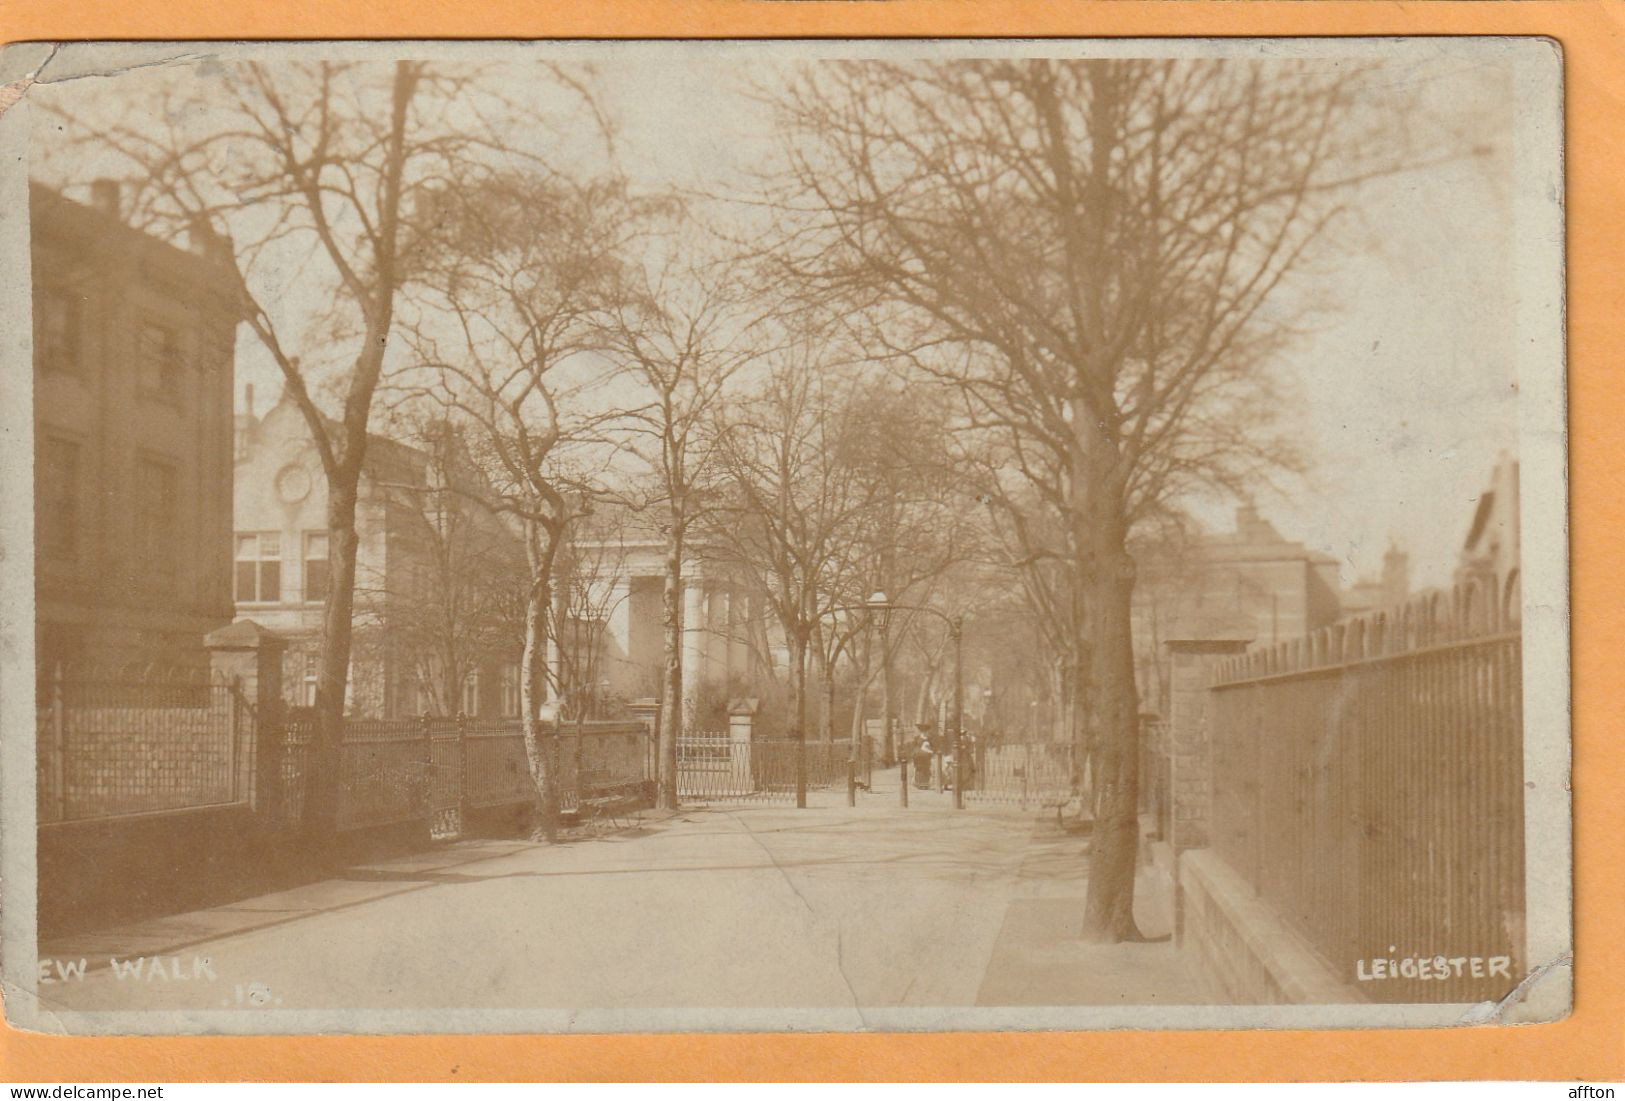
1588 1046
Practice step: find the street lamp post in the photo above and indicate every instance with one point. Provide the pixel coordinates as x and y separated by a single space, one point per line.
881 607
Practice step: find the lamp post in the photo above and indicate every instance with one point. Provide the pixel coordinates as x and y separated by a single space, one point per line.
882 607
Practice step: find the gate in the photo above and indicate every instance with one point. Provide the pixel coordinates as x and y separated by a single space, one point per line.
714 768
445 741
1023 774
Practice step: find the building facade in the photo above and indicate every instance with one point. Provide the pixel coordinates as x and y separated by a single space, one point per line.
725 641
133 359
435 625
1389 589
1252 579
1491 549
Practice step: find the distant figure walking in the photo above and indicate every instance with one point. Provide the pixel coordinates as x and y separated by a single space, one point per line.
922 754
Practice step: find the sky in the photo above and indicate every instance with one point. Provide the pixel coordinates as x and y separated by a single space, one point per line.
1404 391
1406 387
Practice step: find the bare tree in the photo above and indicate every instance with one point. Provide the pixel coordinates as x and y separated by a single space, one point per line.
311 167
683 337
450 608
793 497
591 569
922 524
1091 254
506 339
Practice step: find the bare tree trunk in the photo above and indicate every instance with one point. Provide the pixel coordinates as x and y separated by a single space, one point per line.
798 711
888 708
343 470
533 684
322 792
671 685
827 723
1109 906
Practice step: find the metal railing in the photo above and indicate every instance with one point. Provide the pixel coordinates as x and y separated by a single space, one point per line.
1024 774
116 743
1368 781
403 770
713 768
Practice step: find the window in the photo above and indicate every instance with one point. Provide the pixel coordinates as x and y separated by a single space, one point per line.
56 507
510 690
316 566
313 668
471 693
259 567
56 331
158 350
157 518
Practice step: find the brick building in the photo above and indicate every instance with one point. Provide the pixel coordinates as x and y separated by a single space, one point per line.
133 358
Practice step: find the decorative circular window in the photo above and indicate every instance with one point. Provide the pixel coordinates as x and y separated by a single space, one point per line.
293 483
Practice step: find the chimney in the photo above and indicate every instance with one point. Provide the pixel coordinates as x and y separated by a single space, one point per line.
1396 576
104 196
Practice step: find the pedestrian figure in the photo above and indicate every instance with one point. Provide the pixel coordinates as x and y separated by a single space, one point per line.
923 753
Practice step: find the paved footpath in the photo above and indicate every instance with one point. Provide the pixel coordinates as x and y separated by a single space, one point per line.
727 907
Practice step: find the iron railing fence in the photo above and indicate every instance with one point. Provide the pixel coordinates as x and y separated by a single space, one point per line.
713 768
1368 782
110 743
403 770
1024 774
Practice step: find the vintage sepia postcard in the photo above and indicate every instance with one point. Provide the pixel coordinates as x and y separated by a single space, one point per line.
840 535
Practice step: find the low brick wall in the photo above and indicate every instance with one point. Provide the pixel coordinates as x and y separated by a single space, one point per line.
100 872
1243 949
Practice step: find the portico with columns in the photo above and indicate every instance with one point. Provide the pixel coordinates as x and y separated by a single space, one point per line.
630 600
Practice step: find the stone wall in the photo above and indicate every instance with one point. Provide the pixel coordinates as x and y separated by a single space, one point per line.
1188 737
1244 951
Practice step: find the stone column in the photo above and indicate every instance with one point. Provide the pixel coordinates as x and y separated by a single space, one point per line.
694 649
251 656
742 609
618 635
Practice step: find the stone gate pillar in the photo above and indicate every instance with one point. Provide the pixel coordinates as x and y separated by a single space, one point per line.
741 729
252 656
1193 651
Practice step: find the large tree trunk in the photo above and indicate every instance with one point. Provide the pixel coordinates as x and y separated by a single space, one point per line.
322 780
671 685
343 470
1108 912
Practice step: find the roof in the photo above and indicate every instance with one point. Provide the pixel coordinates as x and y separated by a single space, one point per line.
51 212
1222 628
